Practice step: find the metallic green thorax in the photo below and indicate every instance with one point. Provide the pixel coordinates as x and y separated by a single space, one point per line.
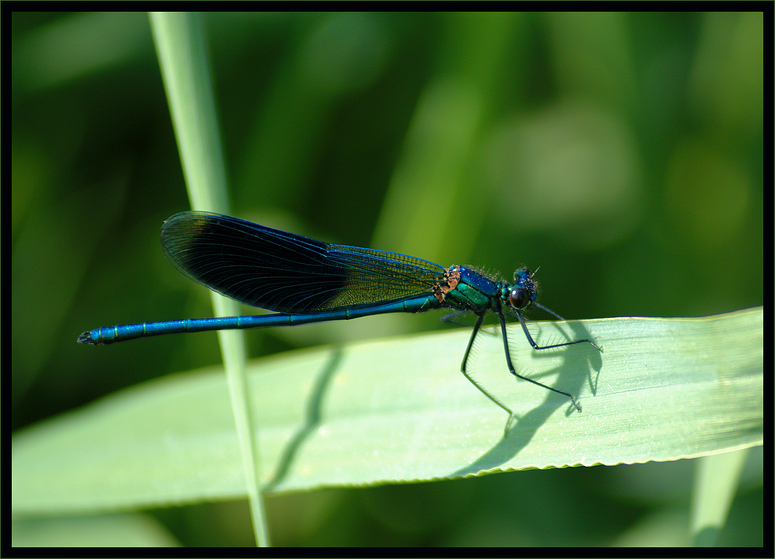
470 290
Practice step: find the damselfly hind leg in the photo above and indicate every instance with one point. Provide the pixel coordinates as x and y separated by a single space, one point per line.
477 326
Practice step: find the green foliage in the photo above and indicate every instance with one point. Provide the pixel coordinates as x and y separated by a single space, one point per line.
397 410
620 152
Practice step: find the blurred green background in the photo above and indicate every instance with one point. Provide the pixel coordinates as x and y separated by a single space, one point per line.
621 153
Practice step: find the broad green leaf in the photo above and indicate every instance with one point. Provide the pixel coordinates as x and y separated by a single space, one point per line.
398 410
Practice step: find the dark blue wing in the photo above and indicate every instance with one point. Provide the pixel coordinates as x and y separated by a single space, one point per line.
289 273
